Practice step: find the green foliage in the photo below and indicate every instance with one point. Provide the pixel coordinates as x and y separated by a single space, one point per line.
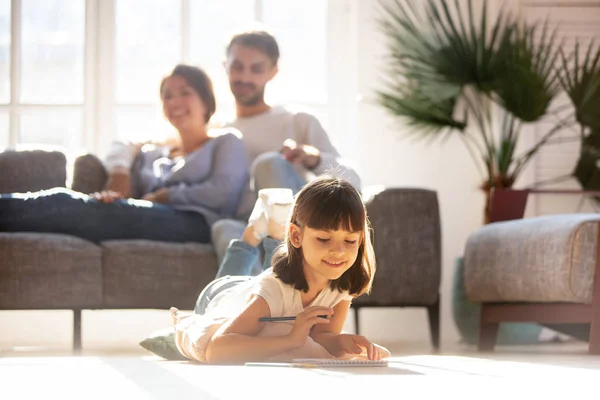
449 72
580 76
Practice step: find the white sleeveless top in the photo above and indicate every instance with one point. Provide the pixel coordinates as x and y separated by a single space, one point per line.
283 299
193 333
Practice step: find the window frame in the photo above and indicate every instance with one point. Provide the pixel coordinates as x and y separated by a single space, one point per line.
99 102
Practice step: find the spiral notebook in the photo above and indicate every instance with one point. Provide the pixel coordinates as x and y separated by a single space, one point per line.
332 362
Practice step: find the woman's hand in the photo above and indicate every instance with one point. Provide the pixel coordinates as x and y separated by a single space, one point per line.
160 196
305 321
106 196
355 344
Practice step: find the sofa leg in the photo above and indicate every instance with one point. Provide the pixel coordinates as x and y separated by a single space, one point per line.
356 320
433 312
76 331
488 332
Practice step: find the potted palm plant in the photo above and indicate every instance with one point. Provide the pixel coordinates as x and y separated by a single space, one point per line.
483 79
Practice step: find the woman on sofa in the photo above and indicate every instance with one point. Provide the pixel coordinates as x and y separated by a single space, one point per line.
179 192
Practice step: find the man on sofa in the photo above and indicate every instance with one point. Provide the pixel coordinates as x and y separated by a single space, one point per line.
285 149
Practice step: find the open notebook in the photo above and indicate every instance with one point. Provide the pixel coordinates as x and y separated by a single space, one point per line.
332 362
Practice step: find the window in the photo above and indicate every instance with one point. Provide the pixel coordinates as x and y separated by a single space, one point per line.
88 71
4 51
210 54
45 94
52 42
3 129
140 124
55 127
301 31
148 44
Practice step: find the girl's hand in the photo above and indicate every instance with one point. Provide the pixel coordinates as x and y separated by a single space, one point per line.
305 321
355 344
106 196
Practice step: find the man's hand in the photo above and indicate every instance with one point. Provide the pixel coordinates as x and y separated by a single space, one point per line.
307 156
160 196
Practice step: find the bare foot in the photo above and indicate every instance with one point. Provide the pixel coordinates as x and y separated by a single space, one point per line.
249 236
175 314
178 315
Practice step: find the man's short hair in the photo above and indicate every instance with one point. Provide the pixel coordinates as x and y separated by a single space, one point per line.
260 40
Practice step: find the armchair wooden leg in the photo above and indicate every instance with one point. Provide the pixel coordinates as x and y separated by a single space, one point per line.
76 331
594 346
488 332
433 312
356 320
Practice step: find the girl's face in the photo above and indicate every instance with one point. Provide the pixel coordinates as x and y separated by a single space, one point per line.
326 253
182 105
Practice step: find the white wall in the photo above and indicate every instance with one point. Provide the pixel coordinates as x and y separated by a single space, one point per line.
388 158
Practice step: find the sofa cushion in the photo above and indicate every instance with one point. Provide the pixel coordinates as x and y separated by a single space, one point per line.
152 274
89 174
30 171
49 271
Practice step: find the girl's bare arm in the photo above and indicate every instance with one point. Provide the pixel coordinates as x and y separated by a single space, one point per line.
237 341
326 335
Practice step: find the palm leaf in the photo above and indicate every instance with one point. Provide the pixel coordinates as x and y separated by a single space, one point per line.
419 111
586 171
581 81
526 81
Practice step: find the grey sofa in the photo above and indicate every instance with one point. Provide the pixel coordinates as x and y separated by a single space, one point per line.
54 271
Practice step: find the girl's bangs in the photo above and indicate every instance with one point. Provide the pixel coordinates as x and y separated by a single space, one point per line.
339 210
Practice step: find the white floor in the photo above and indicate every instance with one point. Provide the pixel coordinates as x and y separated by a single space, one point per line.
536 372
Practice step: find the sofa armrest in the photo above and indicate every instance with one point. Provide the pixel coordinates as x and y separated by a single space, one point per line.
32 170
407 242
89 174
544 259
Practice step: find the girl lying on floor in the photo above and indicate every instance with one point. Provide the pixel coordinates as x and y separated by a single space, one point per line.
326 260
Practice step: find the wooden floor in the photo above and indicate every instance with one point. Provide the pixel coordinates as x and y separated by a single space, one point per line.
534 372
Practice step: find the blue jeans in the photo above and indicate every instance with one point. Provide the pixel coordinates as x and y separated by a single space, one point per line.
269 170
240 257
214 288
61 210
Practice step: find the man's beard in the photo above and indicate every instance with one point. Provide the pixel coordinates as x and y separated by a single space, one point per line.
253 100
